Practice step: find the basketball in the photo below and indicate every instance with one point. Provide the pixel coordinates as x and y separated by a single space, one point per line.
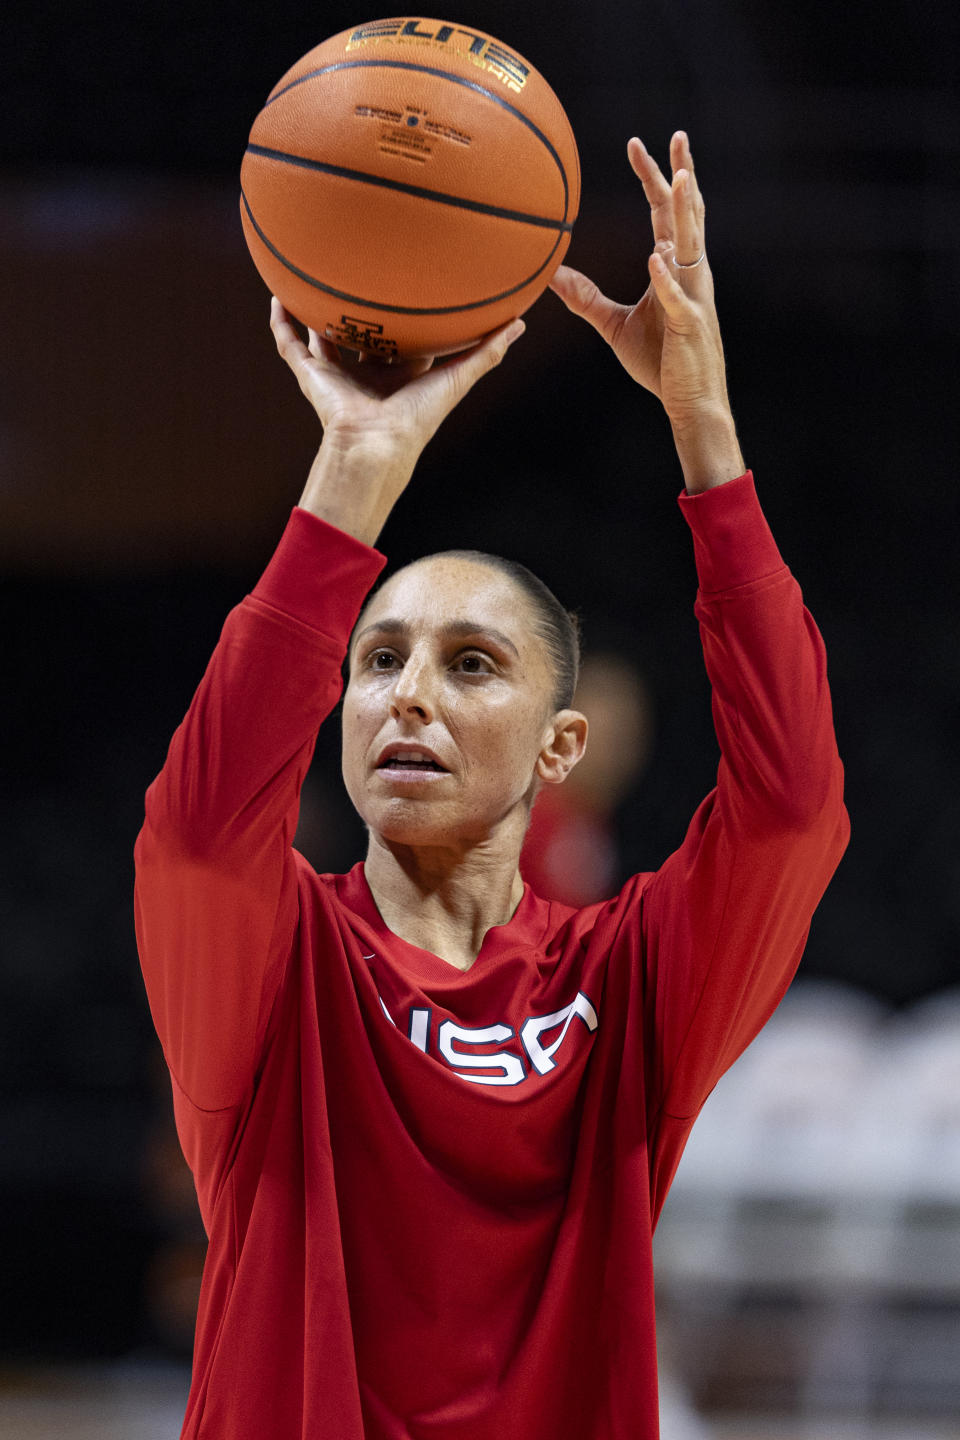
409 186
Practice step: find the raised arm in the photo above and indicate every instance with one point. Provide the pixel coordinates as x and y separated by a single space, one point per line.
216 894
723 923
726 918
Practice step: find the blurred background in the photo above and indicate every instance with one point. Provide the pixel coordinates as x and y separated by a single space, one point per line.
151 446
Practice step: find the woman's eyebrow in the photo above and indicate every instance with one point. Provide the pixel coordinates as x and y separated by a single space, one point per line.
456 629
383 627
460 629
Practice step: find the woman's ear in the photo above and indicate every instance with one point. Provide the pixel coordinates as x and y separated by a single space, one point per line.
564 744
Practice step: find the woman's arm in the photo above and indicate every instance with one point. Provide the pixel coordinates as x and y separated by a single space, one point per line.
723 923
216 892
725 919
216 895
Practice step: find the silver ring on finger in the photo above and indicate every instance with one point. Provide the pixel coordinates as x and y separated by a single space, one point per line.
693 263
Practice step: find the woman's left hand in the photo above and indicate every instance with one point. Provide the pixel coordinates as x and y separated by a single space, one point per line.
669 341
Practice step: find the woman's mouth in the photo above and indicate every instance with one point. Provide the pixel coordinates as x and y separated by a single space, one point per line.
403 760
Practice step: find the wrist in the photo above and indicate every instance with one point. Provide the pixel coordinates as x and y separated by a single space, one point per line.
708 449
354 485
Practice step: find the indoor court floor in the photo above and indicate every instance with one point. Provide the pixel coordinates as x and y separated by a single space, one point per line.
132 1401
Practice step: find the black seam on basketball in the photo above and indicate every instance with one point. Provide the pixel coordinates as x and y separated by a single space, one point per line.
442 75
418 191
380 304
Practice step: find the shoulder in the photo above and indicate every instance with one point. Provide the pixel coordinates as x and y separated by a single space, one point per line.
596 925
335 895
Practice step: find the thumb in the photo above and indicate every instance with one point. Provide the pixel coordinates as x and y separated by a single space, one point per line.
454 377
582 297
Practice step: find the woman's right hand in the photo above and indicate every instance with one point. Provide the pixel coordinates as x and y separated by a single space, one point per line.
376 417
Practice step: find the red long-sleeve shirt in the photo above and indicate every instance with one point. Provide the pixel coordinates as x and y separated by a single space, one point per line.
430 1193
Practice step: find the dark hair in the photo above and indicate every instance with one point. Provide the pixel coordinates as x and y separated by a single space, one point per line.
558 628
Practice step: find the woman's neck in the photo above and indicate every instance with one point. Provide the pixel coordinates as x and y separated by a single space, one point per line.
441 901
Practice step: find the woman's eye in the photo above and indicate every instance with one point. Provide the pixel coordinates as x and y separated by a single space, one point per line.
474 664
382 660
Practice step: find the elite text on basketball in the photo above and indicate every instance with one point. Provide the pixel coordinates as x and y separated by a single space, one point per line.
486 54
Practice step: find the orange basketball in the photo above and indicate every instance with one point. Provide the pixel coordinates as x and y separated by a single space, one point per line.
409 186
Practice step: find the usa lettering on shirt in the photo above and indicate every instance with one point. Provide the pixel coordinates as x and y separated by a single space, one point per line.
450 1042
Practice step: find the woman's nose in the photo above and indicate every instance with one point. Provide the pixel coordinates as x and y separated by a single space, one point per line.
413 690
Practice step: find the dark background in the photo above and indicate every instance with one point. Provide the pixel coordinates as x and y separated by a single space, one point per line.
151 445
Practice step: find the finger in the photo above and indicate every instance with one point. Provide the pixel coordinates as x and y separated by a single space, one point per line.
678 306
681 156
416 367
322 349
688 203
687 219
279 319
486 354
384 378
288 341
458 374
582 297
655 187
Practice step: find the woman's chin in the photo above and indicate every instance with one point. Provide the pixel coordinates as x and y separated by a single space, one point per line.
398 829
403 822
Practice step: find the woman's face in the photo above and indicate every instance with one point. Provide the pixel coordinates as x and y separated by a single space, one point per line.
448 705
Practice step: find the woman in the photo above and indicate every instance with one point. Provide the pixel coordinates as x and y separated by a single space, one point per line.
431 1117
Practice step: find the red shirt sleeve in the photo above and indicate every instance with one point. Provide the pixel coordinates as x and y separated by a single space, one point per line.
216 895
726 918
